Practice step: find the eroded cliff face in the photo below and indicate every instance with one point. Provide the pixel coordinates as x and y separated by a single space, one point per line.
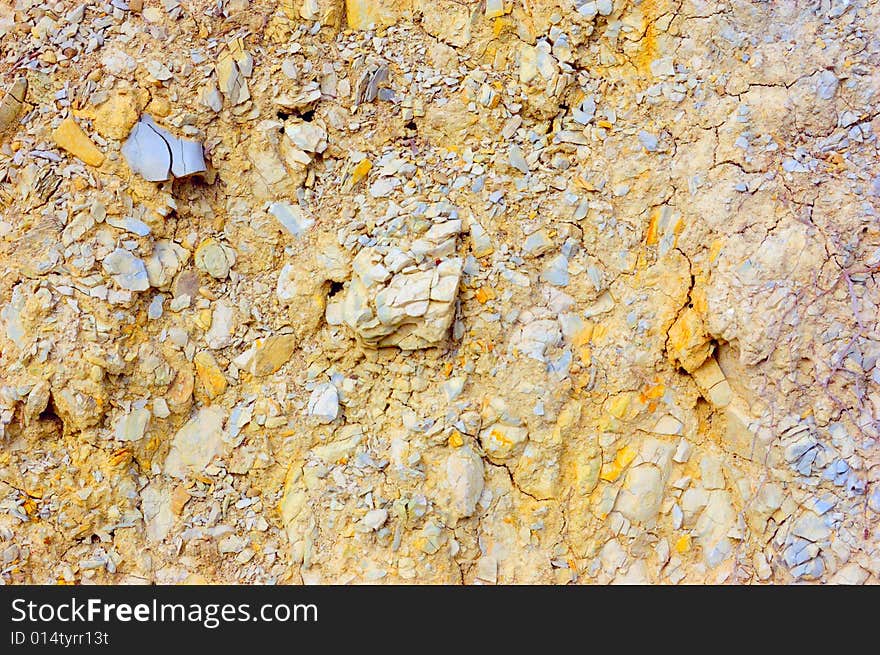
478 292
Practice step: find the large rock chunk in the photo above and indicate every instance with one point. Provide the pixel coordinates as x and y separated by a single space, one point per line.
500 440
80 404
196 443
404 295
156 154
689 345
464 478
364 14
642 493
127 271
164 263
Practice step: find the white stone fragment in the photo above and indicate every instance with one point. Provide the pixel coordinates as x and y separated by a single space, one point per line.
211 98
487 569
126 270
286 287
494 8
711 472
537 243
481 243
164 262
588 9
231 80
156 508
642 493
215 259
556 271
662 67
668 424
409 309
132 426
156 307
812 528
375 518
453 387
196 443
159 71
324 403
160 408
827 85
464 475
851 574
517 160
291 217
682 451
310 137
535 337
220 333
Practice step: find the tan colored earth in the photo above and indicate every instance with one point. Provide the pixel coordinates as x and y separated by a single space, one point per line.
544 291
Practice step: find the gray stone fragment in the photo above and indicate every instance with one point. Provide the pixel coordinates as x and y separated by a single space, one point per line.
155 154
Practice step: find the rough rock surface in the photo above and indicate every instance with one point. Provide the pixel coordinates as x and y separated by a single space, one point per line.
558 291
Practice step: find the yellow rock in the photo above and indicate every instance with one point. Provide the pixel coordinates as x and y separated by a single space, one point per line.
179 498
498 26
180 392
581 343
115 117
272 353
484 295
651 236
159 106
679 226
455 439
654 391
70 137
203 319
360 171
683 544
619 405
698 296
624 457
361 14
209 373
610 472
689 344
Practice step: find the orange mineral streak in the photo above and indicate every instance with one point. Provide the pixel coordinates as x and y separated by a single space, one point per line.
648 49
651 236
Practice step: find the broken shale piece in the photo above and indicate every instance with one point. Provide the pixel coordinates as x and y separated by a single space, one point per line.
155 154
